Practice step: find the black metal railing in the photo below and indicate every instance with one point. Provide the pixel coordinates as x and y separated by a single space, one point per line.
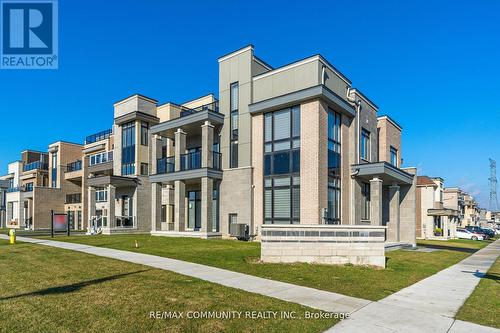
165 165
217 160
191 161
14 189
74 166
98 136
74 198
214 107
36 165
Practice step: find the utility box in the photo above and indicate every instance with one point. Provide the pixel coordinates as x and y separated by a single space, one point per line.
239 230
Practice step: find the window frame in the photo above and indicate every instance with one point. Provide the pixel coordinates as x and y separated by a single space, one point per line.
234 132
293 172
393 152
366 201
144 134
365 145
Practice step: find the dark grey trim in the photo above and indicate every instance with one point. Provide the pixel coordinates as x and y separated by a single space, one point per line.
98 147
319 91
136 115
383 169
185 175
100 167
214 117
117 181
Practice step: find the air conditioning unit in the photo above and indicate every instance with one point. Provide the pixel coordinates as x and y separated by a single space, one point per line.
239 230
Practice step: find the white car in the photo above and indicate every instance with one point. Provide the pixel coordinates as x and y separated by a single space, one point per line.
466 234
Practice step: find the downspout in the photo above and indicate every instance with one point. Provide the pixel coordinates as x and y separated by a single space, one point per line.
357 103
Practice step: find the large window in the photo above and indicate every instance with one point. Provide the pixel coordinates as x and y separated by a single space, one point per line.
282 166
101 194
28 187
394 156
54 170
334 160
365 197
144 134
234 102
128 149
365 144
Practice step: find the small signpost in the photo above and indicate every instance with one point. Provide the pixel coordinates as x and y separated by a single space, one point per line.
59 223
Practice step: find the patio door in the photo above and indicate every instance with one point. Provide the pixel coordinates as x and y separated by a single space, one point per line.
194 210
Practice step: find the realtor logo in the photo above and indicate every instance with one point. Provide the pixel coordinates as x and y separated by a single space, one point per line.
29 34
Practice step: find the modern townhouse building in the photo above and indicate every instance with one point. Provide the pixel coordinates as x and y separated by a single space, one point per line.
453 198
471 211
434 219
4 185
23 176
289 145
116 169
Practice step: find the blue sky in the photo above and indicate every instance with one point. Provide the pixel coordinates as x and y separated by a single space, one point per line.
432 66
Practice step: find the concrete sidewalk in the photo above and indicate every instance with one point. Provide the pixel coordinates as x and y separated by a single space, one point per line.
429 305
317 299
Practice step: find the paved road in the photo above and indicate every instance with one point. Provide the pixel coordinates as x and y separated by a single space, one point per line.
428 305
317 299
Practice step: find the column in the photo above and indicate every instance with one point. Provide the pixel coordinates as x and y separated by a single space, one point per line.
180 205
207 143
156 144
393 230
91 205
111 206
207 190
180 147
445 223
376 201
155 206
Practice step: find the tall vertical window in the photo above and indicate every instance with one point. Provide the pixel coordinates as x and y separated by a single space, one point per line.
54 170
365 195
144 133
128 148
365 144
334 159
234 103
282 166
394 156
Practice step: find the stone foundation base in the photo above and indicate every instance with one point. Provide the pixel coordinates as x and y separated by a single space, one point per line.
324 244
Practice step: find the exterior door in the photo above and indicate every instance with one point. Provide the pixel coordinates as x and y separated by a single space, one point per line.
194 210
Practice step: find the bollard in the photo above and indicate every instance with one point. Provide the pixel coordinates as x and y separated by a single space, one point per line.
12 234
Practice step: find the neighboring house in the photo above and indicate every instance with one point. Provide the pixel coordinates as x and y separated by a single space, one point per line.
14 200
289 145
4 185
471 211
435 220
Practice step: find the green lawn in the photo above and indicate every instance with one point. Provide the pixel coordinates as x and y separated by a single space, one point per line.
483 306
456 243
403 267
46 289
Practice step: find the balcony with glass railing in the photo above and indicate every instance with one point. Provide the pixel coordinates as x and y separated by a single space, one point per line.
38 165
190 161
74 166
165 165
98 136
213 107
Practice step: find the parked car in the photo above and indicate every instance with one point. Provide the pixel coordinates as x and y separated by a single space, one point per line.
492 232
479 230
466 234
